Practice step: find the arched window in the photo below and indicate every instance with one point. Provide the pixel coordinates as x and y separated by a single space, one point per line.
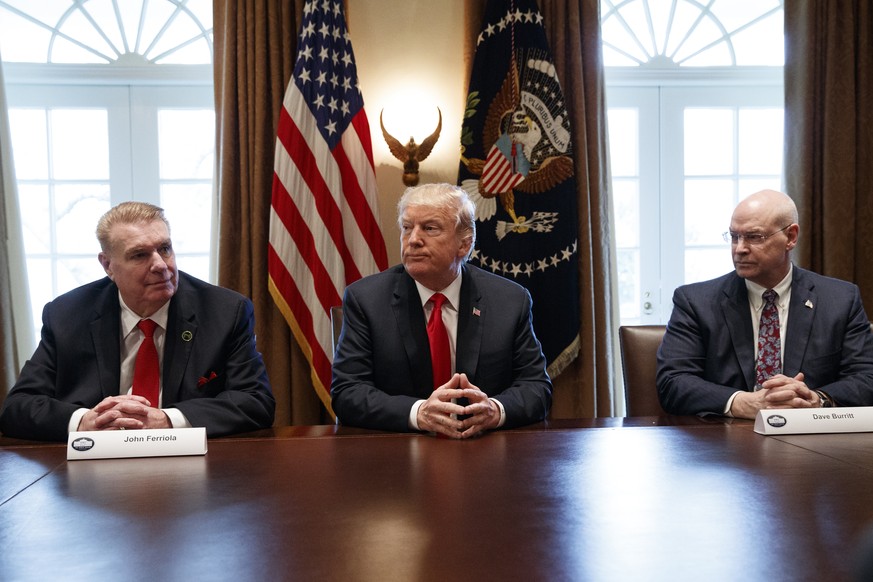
109 100
695 105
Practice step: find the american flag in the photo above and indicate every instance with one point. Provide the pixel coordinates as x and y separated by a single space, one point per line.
324 228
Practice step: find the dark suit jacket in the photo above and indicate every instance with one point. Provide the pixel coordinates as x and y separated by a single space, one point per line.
78 362
382 363
708 350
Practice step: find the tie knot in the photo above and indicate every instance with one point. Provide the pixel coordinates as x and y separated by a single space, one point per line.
147 326
438 300
769 296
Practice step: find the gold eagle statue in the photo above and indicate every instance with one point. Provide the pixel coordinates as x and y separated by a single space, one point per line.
411 153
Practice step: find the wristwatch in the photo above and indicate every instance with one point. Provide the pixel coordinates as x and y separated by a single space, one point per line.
826 401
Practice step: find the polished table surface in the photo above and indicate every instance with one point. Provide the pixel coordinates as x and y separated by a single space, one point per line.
615 499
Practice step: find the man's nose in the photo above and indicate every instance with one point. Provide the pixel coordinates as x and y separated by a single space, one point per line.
158 263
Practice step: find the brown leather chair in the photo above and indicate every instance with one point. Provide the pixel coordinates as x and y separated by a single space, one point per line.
639 347
336 323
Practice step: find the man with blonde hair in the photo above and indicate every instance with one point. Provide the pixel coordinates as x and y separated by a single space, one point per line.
204 367
387 373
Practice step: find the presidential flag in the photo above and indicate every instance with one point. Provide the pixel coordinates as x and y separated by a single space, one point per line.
324 230
517 166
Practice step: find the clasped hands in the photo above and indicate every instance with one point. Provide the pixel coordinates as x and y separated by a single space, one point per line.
780 391
124 412
436 413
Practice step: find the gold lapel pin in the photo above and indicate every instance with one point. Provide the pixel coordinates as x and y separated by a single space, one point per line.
187 336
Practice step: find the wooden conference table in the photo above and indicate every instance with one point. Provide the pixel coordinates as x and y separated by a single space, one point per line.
604 499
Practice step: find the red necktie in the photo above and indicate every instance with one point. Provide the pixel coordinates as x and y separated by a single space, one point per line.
146 370
440 354
769 342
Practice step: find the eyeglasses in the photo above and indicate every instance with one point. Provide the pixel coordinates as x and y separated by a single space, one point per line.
753 238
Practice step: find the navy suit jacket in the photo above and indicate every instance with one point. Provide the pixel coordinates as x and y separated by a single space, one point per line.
382 362
210 330
708 350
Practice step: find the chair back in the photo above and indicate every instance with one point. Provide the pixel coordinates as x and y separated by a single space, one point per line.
639 348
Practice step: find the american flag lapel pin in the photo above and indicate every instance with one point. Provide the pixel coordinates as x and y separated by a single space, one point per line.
808 303
476 312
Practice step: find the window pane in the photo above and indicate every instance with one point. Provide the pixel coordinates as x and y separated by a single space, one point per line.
709 141
77 208
703 264
188 208
187 143
74 272
760 137
624 129
39 280
629 284
28 131
626 203
708 208
36 218
80 144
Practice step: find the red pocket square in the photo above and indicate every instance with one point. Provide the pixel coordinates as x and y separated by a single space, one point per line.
204 380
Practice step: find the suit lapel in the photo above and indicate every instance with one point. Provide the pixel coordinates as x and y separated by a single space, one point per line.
801 311
735 306
471 313
105 329
409 317
178 343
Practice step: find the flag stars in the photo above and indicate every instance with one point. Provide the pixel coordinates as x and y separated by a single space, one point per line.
330 128
303 77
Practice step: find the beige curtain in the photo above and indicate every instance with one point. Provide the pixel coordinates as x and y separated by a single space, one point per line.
587 387
255 46
829 135
15 327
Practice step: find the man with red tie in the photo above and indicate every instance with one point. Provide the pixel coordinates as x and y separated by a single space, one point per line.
769 334
435 344
145 347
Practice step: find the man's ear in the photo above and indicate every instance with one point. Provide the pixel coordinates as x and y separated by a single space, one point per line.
792 232
105 263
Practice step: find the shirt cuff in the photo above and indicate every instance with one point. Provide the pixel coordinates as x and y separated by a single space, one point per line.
177 419
727 407
75 419
502 412
413 415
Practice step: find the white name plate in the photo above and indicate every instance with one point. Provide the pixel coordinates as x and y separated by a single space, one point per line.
815 420
116 444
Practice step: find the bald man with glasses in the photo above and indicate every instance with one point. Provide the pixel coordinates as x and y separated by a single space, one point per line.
769 334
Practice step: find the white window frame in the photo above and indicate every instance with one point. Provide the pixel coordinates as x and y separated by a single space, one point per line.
661 97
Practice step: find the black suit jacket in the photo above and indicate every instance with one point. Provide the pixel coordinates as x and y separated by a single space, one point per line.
210 330
708 350
382 362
